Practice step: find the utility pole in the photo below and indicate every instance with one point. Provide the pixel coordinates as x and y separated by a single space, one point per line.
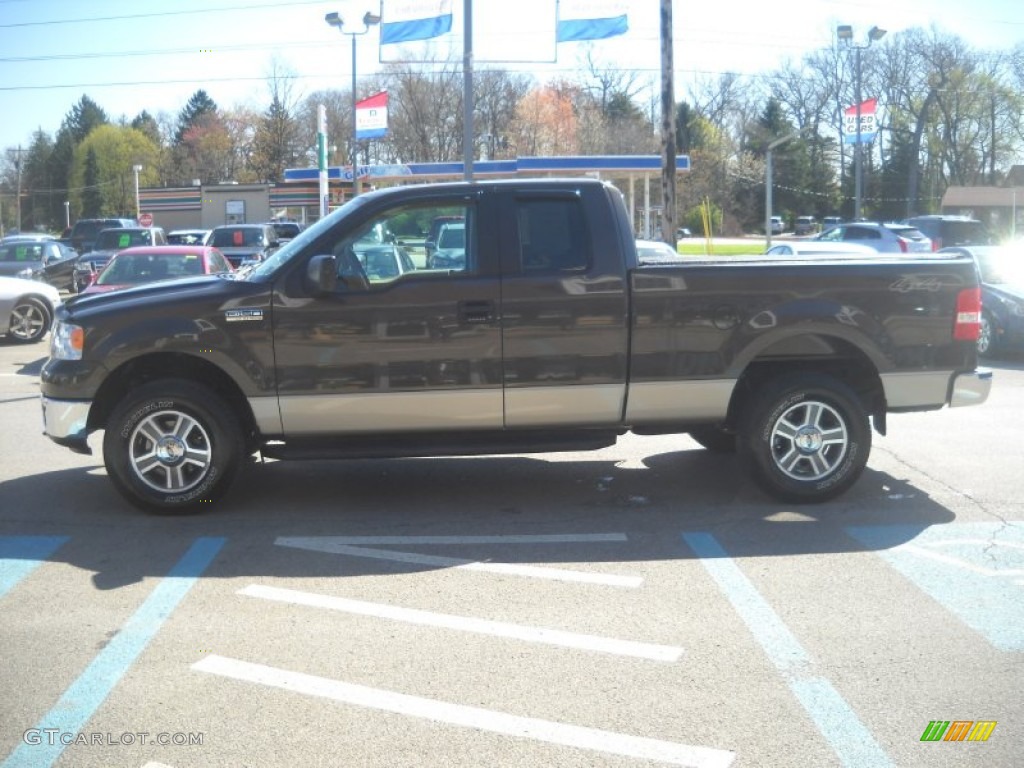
668 129
17 199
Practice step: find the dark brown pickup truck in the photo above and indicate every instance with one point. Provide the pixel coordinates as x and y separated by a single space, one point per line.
542 333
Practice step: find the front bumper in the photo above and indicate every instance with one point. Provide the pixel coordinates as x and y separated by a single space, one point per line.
64 422
971 388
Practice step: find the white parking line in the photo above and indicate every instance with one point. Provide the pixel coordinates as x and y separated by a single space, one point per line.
329 545
469 624
548 731
542 538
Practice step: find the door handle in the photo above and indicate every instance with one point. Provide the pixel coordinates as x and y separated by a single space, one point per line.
476 312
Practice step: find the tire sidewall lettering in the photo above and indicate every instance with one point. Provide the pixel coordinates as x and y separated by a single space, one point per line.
132 421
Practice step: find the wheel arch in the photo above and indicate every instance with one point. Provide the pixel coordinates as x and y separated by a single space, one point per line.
822 354
151 367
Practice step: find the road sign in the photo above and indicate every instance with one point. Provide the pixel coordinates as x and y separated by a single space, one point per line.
145 219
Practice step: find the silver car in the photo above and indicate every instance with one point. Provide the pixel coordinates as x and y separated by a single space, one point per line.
884 238
26 309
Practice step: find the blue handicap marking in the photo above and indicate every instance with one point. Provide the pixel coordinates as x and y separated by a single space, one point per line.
976 570
20 555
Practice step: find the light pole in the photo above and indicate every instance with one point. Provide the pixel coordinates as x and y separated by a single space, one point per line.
845 33
335 20
768 184
137 169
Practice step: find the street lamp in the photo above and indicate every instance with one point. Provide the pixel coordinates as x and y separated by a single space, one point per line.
335 20
845 33
768 184
137 169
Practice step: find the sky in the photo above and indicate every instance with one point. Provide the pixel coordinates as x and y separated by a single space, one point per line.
129 56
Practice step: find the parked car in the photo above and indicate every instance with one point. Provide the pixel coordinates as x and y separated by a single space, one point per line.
149 264
38 259
683 232
26 309
819 248
831 221
776 225
244 243
948 231
83 234
1002 296
436 224
450 252
655 252
286 230
384 262
109 242
805 225
883 237
188 236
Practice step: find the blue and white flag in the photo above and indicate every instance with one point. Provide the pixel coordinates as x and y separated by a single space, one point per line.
591 19
405 20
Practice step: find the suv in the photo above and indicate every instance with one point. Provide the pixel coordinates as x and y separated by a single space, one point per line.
244 243
776 225
806 225
108 242
450 252
884 238
951 231
83 234
286 230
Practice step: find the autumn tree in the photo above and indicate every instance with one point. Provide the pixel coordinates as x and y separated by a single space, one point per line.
546 122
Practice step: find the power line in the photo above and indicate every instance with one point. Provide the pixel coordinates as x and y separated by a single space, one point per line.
90 19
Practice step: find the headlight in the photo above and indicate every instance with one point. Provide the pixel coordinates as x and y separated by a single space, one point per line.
28 273
66 341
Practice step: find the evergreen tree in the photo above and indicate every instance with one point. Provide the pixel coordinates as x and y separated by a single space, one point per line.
92 198
199 106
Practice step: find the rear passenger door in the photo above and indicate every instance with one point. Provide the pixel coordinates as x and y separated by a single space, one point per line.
564 309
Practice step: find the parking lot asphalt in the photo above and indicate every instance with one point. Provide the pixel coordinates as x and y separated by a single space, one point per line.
641 605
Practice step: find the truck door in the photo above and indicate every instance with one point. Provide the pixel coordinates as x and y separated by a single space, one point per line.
402 345
564 308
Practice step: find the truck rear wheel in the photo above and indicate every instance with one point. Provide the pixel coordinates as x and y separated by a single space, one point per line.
805 438
172 446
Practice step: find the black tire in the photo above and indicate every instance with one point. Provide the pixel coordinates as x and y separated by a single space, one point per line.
715 439
30 320
987 336
805 438
173 447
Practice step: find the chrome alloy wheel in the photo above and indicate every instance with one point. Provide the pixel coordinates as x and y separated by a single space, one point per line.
28 321
809 440
170 451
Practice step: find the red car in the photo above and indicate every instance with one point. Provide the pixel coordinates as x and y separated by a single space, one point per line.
150 263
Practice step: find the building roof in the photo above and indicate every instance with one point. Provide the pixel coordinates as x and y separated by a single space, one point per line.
983 197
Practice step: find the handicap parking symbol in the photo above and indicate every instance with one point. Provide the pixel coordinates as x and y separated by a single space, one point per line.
976 570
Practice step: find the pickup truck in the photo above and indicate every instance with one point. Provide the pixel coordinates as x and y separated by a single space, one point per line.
548 335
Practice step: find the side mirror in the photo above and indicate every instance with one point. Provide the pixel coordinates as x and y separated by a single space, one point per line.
322 274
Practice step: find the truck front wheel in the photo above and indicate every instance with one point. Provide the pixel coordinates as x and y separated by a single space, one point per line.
805 438
172 446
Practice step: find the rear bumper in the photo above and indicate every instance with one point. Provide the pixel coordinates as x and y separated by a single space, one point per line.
64 422
970 388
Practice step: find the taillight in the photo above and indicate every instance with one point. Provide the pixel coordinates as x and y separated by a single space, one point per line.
968 315
903 244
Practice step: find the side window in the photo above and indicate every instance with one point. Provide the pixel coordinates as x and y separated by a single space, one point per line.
552 235
833 235
862 233
432 240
